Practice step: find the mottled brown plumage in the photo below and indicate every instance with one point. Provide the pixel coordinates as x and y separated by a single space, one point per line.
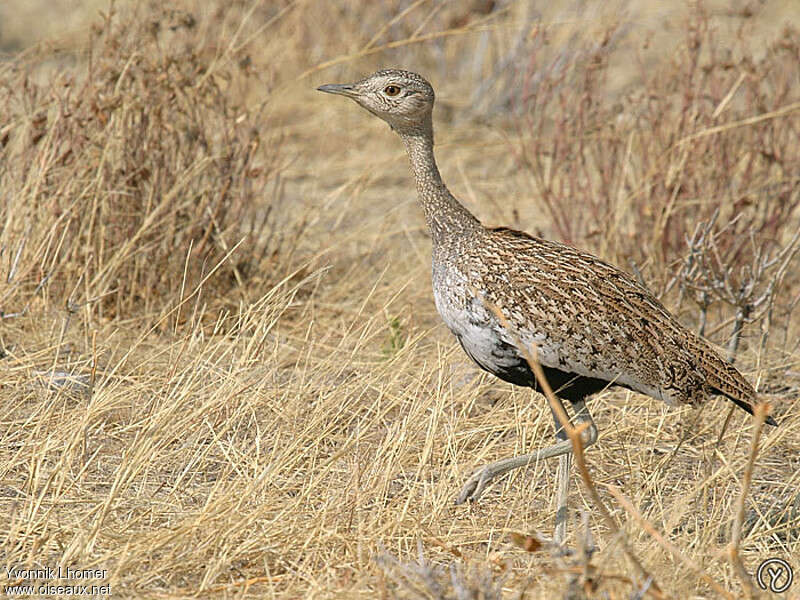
592 324
585 317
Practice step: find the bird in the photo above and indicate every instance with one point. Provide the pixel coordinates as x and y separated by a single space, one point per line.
504 294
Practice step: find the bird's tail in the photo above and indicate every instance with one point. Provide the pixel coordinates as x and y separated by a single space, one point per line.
746 406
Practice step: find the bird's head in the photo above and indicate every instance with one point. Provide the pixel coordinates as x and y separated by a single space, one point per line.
401 98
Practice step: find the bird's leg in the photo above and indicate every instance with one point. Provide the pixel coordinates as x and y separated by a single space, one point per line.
562 495
562 484
475 485
582 415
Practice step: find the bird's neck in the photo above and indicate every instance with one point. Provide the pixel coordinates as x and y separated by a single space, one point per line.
445 215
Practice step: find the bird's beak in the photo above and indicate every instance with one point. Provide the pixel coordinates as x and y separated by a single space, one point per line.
343 89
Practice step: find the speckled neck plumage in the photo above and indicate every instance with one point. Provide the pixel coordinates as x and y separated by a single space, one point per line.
445 215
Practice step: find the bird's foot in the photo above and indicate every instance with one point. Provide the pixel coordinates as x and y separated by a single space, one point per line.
560 550
475 485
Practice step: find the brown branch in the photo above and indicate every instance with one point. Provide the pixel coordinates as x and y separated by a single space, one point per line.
760 412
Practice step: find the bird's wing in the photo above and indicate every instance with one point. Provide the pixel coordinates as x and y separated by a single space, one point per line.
591 318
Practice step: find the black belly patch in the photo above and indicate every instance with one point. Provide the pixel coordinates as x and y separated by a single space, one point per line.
510 366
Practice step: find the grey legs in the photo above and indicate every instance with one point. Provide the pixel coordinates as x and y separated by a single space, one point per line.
582 415
477 483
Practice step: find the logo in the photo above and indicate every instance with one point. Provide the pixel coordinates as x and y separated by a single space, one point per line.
774 574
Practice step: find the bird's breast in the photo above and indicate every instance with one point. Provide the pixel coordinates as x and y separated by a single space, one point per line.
482 336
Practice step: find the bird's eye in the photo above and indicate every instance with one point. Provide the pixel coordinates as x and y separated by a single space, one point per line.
391 90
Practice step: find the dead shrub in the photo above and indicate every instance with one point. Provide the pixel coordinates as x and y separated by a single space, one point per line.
139 168
708 143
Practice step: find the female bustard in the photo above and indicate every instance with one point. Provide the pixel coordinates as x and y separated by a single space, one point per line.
592 325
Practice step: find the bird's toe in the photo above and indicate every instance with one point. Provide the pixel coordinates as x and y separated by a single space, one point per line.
474 486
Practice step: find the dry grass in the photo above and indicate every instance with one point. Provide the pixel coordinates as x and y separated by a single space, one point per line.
222 371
